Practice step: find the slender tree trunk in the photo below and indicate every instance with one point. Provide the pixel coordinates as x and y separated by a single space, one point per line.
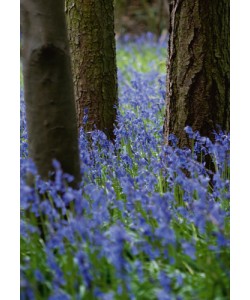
198 68
92 43
48 87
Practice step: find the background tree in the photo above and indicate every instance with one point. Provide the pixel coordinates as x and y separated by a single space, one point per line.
92 43
140 16
48 87
198 68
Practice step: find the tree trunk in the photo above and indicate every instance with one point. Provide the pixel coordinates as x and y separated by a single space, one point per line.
198 68
92 43
48 87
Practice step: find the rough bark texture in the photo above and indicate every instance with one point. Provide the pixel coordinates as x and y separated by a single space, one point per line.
48 87
92 43
198 68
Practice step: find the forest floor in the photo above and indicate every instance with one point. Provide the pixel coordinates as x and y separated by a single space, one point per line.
148 222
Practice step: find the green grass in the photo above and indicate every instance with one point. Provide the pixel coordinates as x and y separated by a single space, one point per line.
142 59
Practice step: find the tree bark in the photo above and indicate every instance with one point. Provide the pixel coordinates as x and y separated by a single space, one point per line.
92 43
198 68
48 87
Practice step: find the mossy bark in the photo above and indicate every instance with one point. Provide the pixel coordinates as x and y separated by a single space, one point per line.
48 87
92 43
198 68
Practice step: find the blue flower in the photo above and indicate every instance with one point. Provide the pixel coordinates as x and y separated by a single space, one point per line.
60 295
162 295
39 276
189 249
138 202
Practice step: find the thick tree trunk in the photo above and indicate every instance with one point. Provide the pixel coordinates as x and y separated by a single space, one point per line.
198 68
48 87
92 43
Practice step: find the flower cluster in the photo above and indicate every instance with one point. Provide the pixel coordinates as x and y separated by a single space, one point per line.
148 221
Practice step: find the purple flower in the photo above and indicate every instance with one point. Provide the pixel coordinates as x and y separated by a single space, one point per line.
162 295
39 276
179 280
138 202
165 282
189 132
84 268
189 249
139 268
60 295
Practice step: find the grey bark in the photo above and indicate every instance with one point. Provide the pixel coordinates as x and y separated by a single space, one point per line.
48 87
